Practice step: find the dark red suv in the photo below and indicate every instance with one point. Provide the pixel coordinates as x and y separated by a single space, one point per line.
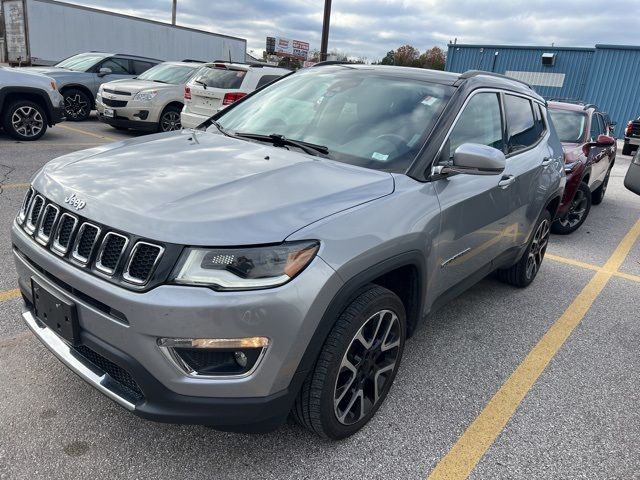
589 152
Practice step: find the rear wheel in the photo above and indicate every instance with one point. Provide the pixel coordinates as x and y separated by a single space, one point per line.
25 120
598 195
525 270
170 119
356 366
77 105
577 213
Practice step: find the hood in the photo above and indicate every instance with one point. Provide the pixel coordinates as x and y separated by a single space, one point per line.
132 85
207 189
50 71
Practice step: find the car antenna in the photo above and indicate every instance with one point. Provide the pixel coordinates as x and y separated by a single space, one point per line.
230 56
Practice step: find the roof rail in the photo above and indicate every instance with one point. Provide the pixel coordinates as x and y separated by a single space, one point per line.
573 101
475 73
139 56
251 64
191 60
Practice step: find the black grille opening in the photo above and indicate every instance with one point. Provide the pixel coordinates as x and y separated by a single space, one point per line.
25 202
113 246
117 92
207 361
50 215
118 374
66 229
114 103
35 212
143 261
87 240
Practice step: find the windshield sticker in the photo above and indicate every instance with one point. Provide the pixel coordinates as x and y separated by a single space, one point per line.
379 156
429 100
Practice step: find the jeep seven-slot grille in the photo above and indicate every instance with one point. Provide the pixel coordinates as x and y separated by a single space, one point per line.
116 255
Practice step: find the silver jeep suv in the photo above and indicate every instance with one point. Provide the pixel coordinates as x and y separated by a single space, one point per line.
277 261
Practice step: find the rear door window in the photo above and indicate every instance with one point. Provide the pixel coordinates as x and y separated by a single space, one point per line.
117 65
221 78
266 79
480 122
522 132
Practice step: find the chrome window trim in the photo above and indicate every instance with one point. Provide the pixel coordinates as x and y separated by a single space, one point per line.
41 237
74 253
128 278
30 227
22 215
56 247
99 266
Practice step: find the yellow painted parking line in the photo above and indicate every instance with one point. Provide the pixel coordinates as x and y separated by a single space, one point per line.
11 186
459 462
91 134
9 294
589 266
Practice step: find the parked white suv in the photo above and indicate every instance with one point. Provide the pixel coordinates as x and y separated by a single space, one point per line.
220 84
152 101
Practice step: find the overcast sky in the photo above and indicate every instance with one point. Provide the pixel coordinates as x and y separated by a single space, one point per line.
370 28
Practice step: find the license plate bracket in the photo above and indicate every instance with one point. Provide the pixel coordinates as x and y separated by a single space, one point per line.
56 313
109 112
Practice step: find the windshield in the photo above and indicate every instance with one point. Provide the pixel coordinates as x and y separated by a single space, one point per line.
569 125
168 73
81 62
364 117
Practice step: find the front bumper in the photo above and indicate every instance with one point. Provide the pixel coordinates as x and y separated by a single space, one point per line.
287 315
130 116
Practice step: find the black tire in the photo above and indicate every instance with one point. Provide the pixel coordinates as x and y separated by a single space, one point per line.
576 214
626 149
314 408
170 119
525 270
77 105
598 195
24 120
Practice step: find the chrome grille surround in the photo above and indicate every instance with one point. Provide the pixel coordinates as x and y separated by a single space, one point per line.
30 224
135 280
42 237
57 247
25 205
99 265
82 231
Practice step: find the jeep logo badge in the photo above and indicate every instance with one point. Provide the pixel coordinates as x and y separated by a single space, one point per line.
75 202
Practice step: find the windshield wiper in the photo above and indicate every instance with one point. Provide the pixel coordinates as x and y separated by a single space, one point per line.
200 82
282 141
218 126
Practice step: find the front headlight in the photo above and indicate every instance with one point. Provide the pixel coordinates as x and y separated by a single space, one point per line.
145 95
244 268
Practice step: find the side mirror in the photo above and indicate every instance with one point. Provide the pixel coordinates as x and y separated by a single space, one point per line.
632 178
476 159
604 141
104 71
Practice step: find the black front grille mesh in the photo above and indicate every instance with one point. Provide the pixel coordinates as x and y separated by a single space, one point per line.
140 259
118 374
144 258
35 212
114 103
47 221
87 240
65 229
112 250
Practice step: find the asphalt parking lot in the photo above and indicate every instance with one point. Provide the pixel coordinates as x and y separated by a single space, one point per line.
501 383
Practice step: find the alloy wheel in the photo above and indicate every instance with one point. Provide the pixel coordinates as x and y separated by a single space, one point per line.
367 367
576 212
27 121
538 248
75 106
170 121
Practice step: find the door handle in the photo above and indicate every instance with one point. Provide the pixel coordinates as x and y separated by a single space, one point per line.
506 180
546 161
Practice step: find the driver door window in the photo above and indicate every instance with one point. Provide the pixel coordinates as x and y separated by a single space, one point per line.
480 122
117 65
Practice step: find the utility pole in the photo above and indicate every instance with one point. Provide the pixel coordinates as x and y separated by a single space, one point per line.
324 45
173 12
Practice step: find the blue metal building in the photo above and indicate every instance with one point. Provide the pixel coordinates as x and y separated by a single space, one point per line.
607 75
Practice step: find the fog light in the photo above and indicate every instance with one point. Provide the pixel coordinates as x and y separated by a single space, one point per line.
214 357
241 359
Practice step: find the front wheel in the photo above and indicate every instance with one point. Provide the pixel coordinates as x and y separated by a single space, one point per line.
170 119
525 270
577 212
77 105
356 366
25 120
